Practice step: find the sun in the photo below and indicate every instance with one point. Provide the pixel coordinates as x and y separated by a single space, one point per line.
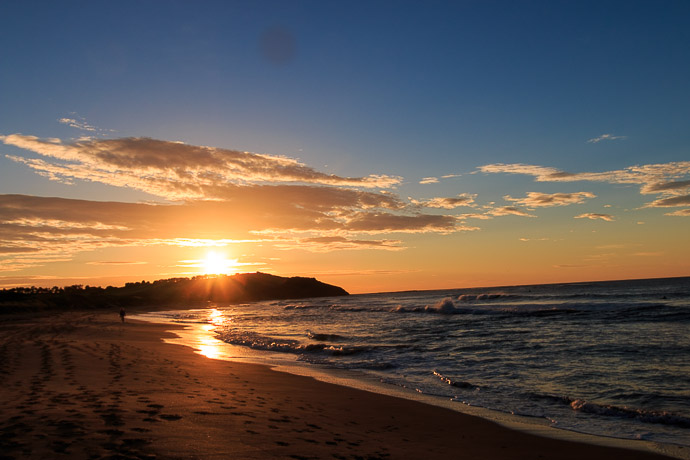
216 263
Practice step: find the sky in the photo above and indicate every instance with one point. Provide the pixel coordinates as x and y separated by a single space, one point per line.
379 146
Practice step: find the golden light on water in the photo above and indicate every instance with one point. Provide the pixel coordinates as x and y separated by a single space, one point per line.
208 345
217 318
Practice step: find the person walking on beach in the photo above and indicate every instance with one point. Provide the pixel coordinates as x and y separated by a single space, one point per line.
122 314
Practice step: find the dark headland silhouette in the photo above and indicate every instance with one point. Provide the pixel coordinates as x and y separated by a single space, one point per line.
244 287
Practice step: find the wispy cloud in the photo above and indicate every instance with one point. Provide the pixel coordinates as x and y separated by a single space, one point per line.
76 121
542 200
680 212
429 180
223 196
672 186
642 175
605 137
668 179
173 170
510 211
596 216
35 230
79 124
116 262
338 243
683 200
377 222
474 215
462 199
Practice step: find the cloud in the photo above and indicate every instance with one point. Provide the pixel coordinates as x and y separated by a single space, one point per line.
429 180
57 223
376 222
35 231
683 200
537 200
474 216
510 211
680 212
595 216
667 179
463 199
605 137
336 243
107 262
642 175
173 170
665 186
541 173
79 124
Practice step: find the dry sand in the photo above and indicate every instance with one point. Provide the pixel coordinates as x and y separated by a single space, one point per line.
84 386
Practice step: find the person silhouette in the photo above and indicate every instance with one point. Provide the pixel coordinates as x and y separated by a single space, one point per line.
122 314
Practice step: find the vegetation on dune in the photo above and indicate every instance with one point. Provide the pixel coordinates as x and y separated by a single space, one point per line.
243 287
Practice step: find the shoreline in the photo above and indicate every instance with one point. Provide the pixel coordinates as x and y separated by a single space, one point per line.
188 335
84 385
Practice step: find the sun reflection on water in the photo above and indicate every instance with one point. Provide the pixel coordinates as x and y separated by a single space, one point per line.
217 318
208 345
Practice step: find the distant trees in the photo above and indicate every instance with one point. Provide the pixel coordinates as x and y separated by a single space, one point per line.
173 291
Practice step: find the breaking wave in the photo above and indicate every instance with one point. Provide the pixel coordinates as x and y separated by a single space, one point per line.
456 383
320 337
646 416
264 343
444 307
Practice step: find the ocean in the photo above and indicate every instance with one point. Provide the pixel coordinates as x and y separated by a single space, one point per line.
605 358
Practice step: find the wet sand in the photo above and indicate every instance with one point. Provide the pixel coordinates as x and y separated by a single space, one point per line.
85 386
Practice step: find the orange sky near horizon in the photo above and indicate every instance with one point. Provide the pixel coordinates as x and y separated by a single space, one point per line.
376 148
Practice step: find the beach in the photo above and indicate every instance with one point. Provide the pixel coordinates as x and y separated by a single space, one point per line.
84 385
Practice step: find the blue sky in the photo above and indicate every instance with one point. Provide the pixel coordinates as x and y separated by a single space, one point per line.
355 89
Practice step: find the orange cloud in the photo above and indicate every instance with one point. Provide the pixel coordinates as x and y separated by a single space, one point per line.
683 200
172 170
510 211
335 243
643 175
537 200
653 178
38 230
463 199
666 186
595 216
681 212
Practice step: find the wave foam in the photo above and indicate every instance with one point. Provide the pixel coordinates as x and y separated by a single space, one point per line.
322 337
647 416
443 307
456 383
264 343
473 297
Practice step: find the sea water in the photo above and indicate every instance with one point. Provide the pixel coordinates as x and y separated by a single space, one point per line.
606 358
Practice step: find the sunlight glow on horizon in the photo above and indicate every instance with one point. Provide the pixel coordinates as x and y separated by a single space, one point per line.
186 168
215 263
